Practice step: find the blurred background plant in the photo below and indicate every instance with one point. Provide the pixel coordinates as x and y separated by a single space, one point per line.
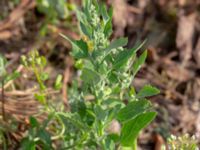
184 142
56 13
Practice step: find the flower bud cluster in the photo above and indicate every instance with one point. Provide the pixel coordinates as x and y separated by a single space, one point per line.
100 40
94 16
184 142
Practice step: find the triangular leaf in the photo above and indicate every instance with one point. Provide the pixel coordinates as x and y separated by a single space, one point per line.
115 44
131 129
147 90
139 62
90 76
104 12
108 28
123 57
133 109
80 48
86 30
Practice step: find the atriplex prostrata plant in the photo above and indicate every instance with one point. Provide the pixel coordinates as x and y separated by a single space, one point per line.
107 71
105 110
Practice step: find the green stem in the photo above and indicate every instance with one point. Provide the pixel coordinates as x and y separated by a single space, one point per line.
38 78
135 144
41 84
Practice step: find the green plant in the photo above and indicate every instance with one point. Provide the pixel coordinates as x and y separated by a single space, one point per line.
106 112
184 142
4 78
39 135
107 72
55 11
36 63
4 75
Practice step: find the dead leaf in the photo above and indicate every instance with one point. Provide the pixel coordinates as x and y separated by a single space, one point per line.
197 125
197 52
120 16
6 34
185 32
143 4
14 19
181 2
178 72
159 142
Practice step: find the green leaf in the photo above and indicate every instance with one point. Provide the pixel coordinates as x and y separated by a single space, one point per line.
131 129
74 119
43 61
110 12
10 77
139 62
123 57
90 76
86 29
112 102
107 18
86 8
27 144
80 48
58 83
104 13
24 60
44 76
53 9
81 108
108 28
61 9
147 90
100 113
40 97
45 137
115 44
109 144
115 137
133 109
33 122
112 113
113 78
